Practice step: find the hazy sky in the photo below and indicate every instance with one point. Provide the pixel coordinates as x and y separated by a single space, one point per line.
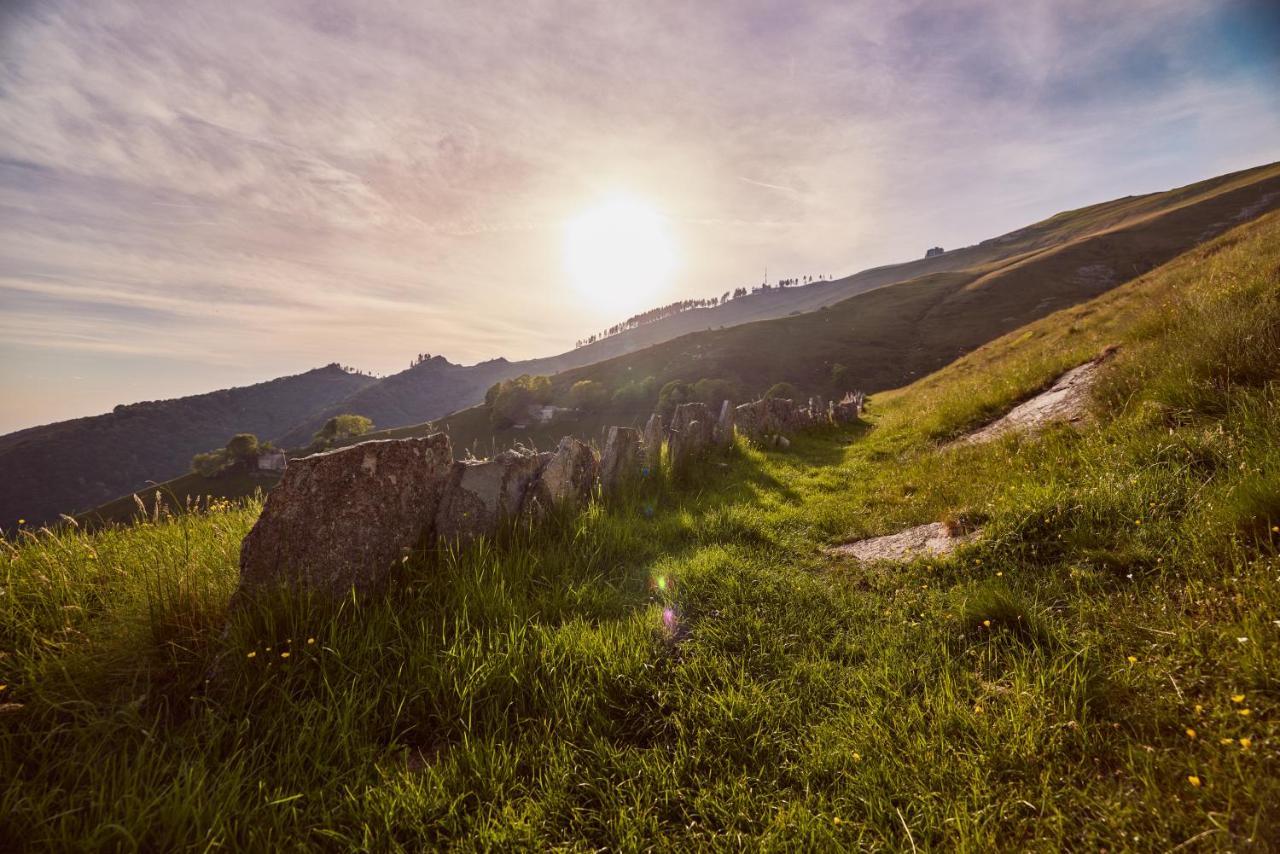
195 195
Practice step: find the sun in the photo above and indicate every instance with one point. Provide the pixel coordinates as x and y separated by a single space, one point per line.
619 254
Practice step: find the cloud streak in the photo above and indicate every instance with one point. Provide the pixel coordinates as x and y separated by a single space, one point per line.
279 185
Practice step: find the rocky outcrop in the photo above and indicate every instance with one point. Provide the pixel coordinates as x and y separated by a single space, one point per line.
849 408
569 477
621 461
653 434
724 429
482 494
692 435
342 519
763 419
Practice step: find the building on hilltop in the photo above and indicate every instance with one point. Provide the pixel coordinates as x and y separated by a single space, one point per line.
934 252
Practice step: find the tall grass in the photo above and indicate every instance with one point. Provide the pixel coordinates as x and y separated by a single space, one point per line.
686 668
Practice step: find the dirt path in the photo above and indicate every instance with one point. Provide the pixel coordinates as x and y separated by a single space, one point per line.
932 540
1067 401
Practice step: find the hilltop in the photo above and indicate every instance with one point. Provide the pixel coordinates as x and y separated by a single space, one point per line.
692 667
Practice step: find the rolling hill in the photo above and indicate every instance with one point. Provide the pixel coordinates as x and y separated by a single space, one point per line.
73 465
888 336
691 668
887 326
437 387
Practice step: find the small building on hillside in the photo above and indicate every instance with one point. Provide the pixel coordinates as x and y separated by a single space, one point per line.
274 461
934 252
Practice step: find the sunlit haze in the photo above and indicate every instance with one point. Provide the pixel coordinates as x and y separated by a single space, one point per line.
197 195
619 255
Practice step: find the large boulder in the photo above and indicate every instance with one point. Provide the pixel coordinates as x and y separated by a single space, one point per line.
653 434
483 494
621 461
692 435
724 425
342 519
570 475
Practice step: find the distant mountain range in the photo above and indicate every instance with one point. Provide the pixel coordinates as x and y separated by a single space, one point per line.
939 307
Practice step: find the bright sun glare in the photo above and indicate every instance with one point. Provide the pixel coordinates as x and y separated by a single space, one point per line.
619 254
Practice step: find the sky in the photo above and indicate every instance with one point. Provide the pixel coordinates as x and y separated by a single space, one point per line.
195 195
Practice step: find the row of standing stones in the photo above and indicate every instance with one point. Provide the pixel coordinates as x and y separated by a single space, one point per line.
344 519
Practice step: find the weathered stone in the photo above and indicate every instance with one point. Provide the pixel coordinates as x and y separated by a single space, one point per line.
849 408
724 425
621 461
570 475
483 494
341 519
764 418
653 435
692 434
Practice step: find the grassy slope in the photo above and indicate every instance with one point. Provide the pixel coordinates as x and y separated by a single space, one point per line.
888 335
527 694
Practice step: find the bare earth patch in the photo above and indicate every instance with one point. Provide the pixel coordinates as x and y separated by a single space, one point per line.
1067 401
932 540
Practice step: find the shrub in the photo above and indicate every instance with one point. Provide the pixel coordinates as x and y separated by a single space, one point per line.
672 395
713 391
588 395
341 427
512 397
637 394
242 448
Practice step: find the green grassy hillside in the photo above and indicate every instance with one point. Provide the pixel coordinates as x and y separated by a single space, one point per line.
687 668
886 336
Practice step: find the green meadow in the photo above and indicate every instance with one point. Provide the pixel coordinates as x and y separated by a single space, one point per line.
686 667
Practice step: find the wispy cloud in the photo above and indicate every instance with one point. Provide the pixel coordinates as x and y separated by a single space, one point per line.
279 185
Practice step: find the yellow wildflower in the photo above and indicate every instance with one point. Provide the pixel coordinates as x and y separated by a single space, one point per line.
835 820
284 654
1224 741
252 654
986 623
1193 780
1237 698
310 641
22 521
1191 733
1246 743
1246 712
1133 659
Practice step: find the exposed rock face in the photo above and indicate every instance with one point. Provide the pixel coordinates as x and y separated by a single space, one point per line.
653 434
570 474
724 425
1067 401
692 434
484 493
621 460
932 540
342 519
